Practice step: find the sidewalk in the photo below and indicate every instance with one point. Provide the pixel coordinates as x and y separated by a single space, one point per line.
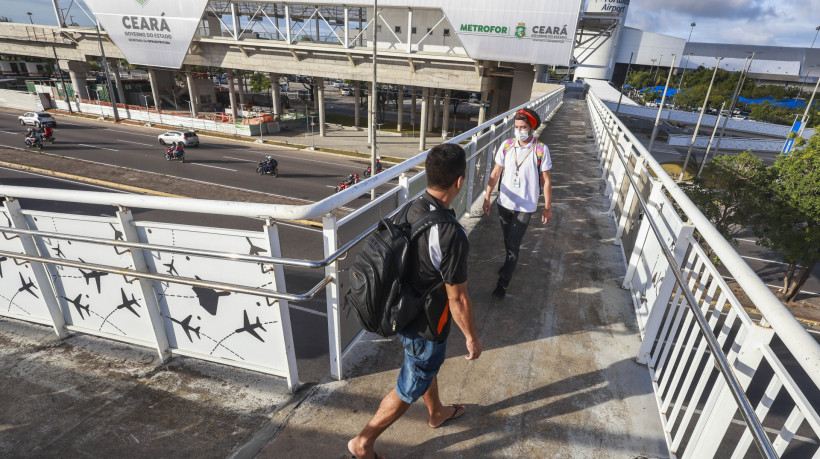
557 377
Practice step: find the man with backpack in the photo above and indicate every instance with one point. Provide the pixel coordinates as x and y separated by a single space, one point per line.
525 162
437 267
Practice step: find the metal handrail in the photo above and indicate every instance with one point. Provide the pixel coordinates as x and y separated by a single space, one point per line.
746 409
247 209
804 348
173 279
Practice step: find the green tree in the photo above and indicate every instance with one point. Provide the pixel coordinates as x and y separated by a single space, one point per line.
259 82
730 191
791 223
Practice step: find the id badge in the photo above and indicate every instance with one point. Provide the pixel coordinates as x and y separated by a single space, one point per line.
516 180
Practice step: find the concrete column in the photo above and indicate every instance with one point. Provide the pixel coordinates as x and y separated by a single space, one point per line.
79 84
277 95
241 80
445 116
521 91
152 78
494 104
357 101
400 104
429 112
370 110
436 109
192 94
115 69
413 105
425 109
320 90
231 91
482 110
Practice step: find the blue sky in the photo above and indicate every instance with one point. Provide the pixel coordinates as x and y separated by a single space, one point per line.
762 22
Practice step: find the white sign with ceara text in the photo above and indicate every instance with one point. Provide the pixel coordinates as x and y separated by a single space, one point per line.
150 32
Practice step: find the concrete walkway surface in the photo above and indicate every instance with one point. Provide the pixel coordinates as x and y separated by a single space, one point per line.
557 377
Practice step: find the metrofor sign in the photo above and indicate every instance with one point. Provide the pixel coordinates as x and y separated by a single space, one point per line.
150 32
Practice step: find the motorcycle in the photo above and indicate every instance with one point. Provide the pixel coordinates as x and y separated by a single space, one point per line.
171 153
264 169
379 169
344 184
48 138
35 142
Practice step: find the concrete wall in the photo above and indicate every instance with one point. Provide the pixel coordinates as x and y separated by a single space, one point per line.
20 100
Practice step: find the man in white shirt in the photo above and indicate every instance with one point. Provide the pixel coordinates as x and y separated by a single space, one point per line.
525 162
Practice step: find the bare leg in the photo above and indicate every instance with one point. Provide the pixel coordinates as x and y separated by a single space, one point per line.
438 412
390 410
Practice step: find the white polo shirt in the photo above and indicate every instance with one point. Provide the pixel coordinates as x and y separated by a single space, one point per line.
524 197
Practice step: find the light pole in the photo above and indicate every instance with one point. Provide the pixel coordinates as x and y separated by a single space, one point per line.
147 112
660 108
711 139
62 80
653 64
700 118
806 113
626 80
740 82
259 115
812 42
107 77
374 96
191 108
655 78
310 121
29 17
805 78
692 25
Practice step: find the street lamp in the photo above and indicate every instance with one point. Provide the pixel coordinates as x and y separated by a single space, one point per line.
700 118
147 112
812 42
735 97
626 80
660 108
692 25
660 62
311 123
29 17
191 108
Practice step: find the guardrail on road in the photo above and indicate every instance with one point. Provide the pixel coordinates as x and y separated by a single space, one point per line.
707 358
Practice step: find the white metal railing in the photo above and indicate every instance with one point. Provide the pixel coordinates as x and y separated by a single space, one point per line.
707 358
165 286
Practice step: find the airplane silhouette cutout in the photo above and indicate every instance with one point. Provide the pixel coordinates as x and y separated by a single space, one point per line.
59 252
2 259
92 275
171 270
27 286
79 306
128 304
251 328
208 297
117 233
254 249
186 326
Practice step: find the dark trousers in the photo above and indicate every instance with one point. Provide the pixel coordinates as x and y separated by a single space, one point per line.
513 225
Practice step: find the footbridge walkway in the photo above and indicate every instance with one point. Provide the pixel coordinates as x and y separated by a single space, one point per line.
618 337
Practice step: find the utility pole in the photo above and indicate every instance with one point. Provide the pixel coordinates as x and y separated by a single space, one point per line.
815 37
62 80
618 109
660 108
700 118
808 107
711 139
107 77
740 82
374 98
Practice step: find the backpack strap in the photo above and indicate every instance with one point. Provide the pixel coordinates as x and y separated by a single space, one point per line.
431 218
508 144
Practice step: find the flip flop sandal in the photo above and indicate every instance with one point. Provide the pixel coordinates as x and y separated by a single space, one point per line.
352 456
453 416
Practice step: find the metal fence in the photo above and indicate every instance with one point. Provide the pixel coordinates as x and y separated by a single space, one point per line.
205 291
709 361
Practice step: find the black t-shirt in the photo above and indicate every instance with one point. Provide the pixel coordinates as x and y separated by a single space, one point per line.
438 254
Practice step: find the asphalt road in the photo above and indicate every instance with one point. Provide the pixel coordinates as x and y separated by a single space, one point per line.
309 176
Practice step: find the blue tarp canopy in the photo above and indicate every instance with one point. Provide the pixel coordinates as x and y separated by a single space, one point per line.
660 89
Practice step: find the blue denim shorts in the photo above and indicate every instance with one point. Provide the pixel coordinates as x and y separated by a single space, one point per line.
422 360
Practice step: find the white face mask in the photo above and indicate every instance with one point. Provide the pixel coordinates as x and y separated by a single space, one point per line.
522 135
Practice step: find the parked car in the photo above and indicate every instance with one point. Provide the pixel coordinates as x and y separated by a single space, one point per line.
37 119
338 84
347 91
189 138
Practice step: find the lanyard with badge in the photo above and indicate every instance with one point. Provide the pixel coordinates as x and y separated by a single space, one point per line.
516 181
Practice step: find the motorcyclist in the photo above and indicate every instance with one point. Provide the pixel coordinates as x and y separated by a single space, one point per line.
352 179
269 164
31 136
179 149
47 131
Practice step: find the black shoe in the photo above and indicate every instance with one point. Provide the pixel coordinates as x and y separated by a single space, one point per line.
500 291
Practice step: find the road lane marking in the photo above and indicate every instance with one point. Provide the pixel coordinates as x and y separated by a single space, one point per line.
7 132
94 146
764 260
240 159
215 167
138 143
780 286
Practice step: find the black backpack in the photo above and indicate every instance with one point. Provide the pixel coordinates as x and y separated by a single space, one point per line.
379 286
